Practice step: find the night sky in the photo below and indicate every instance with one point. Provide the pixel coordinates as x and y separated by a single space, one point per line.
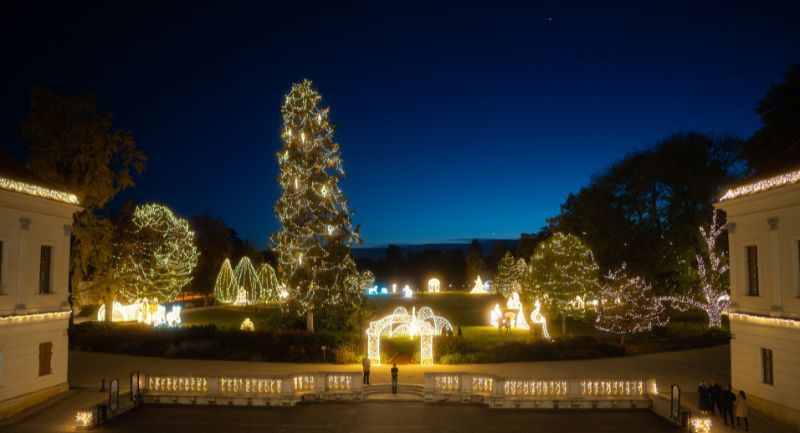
454 122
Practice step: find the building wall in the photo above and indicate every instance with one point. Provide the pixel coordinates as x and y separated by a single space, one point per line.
780 400
28 318
770 220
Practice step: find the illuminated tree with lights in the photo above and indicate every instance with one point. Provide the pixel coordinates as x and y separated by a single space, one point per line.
628 306
269 283
712 272
156 255
509 275
313 244
225 287
562 269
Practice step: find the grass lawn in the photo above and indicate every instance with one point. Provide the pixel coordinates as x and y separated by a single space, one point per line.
228 316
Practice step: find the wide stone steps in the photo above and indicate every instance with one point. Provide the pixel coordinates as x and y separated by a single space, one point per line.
385 389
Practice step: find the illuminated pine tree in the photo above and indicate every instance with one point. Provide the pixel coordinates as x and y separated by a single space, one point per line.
225 288
712 272
313 244
562 272
156 254
627 305
509 275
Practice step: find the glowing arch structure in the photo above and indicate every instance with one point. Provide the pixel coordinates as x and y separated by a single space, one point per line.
422 323
434 285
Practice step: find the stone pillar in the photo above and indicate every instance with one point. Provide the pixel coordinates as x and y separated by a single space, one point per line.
24 286
775 268
733 252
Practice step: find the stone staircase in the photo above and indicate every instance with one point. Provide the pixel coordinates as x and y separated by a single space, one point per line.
383 391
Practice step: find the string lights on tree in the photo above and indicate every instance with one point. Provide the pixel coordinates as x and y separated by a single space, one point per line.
628 306
712 271
509 275
562 269
313 243
156 255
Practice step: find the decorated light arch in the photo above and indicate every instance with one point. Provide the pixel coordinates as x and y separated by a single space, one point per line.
434 285
401 323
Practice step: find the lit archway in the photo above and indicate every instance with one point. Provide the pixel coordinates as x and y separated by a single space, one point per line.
424 324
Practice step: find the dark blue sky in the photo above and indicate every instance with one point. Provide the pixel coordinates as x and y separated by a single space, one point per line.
455 121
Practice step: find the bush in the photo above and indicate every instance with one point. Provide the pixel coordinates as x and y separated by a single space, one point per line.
209 342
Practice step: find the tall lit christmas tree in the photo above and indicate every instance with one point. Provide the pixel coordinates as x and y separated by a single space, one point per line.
316 234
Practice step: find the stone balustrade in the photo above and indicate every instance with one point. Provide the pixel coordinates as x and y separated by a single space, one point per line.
540 392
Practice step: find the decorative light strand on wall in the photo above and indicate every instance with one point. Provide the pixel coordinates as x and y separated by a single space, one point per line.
34 317
38 191
762 185
763 320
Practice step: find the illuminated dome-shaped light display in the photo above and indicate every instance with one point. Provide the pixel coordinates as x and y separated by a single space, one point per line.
246 286
401 323
433 285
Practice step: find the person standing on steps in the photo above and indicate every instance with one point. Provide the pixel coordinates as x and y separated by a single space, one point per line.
365 364
394 378
727 398
741 410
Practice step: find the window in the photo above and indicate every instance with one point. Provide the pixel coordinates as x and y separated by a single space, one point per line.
766 366
45 356
45 267
752 270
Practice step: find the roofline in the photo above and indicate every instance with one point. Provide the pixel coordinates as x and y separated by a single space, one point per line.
38 191
762 185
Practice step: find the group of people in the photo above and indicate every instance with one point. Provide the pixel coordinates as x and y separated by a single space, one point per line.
712 398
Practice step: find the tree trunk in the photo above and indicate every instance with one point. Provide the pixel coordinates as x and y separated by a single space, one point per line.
109 309
622 339
563 325
310 321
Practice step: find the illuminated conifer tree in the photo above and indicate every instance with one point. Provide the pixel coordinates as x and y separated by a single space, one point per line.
562 269
313 244
628 306
156 255
269 283
508 277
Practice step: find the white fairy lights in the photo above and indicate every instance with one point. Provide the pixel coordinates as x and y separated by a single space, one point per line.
700 424
313 243
158 258
763 320
762 185
245 285
34 317
539 319
247 325
37 191
628 306
424 324
713 297
84 418
146 311
479 288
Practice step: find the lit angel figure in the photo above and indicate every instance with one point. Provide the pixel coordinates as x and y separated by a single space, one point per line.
537 317
519 317
407 292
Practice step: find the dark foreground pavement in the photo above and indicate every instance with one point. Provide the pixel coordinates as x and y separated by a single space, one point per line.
381 417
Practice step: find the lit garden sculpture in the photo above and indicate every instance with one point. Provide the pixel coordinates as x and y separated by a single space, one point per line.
479 288
514 313
246 286
407 292
433 285
146 311
424 324
538 318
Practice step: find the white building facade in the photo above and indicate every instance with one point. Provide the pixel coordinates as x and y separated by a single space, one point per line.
764 245
35 230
